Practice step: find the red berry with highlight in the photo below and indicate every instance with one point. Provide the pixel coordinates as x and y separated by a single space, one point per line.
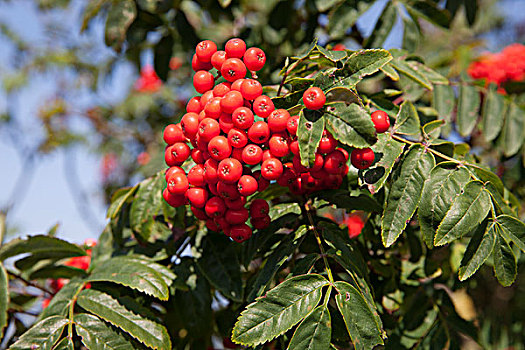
233 69
235 48
362 158
381 121
314 98
254 58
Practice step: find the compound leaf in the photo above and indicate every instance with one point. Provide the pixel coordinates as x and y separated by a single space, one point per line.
104 306
279 310
314 333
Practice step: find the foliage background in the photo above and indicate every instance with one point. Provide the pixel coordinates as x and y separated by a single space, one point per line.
83 112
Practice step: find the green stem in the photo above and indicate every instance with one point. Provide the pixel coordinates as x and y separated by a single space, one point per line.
319 243
72 310
29 283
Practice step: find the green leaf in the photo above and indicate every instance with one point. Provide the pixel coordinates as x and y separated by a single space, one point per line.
468 210
389 150
155 6
405 193
279 310
443 101
411 70
493 113
97 335
429 11
505 267
4 298
314 333
65 344
344 199
343 16
350 124
59 305
104 306
220 265
120 16
225 3
468 106
275 261
342 94
163 52
478 250
279 210
431 130
90 11
407 120
118 199
411 34
512 229
390 72
514 130
44 246
441 189
140 274
362 63
309 134
383 27
359 318
42 335
147 203
56 271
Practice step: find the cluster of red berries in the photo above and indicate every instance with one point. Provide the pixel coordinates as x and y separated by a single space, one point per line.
80 262
507 65
234 128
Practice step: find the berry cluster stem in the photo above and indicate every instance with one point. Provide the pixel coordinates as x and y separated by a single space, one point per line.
319 243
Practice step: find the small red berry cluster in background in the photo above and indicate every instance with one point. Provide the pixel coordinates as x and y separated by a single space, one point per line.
80 262
233 128
354 221
149 81
507 65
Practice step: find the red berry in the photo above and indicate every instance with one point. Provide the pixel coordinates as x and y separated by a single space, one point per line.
381 121
208 129
339 47
263 106
345 153
287 177
199 213
237 154
231 101
196 176
242 118
173 133
235 47
198 156
221 89
217 59
335 162
278 119
314 98
212 225
225 122
266 155
362 158
247 185
327 143
205 98
205 49
251 89
219 148
260 223
198 65
178 183
259 132
203 81
233 69
294 147
355 225
252 154
240 233
236 216
279 145
228 190
236 85
197 196
237 138
237 203
190 125
254 58
259 208
271 169
215 207
262 183
173 170
213 108
291 124
177 153
332 181
175 200
194 105
229 170
210 171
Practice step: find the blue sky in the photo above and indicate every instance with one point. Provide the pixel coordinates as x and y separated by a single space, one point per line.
48 199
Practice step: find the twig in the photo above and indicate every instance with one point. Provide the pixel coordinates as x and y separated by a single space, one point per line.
319 243
29 283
